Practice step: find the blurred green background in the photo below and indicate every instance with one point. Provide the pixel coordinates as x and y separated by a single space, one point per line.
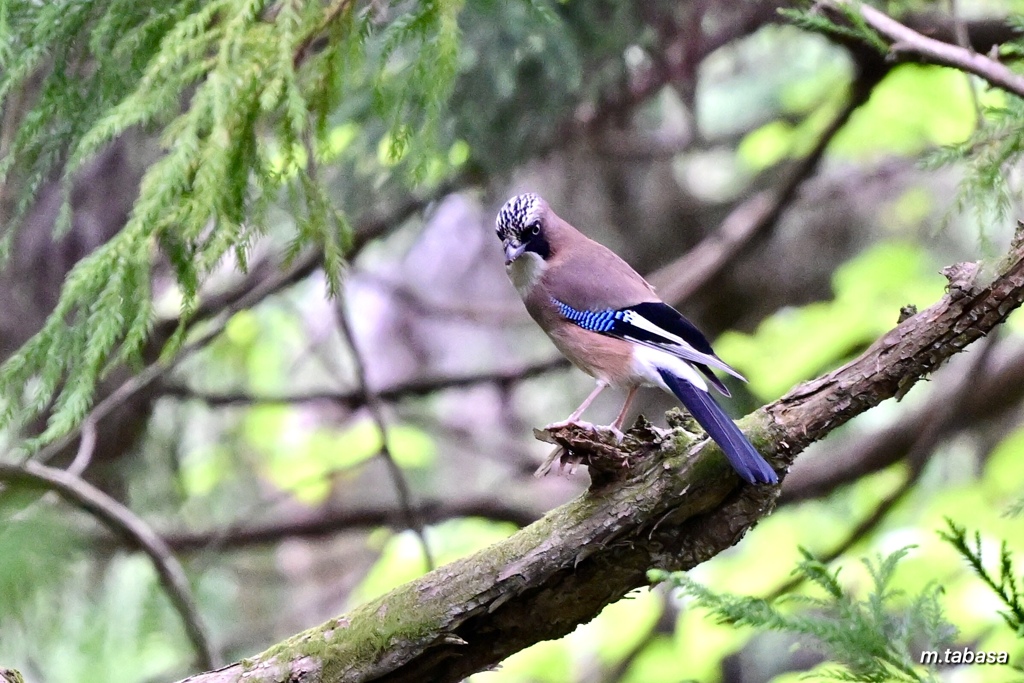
647 125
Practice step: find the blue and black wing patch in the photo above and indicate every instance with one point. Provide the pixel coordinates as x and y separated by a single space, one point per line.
606 322
657 325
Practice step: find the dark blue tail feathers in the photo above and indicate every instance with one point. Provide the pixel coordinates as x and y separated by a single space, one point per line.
747 462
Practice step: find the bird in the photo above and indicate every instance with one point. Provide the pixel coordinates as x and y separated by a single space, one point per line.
609 322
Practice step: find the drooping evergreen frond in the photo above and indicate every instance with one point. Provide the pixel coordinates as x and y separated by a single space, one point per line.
988 157
1005 583
872 639
846 22
991 152
242 91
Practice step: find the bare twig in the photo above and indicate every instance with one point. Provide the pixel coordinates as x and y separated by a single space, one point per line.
963 39
906 42
126 524
128 390
663 624
673 65
328 522
374 405
86 448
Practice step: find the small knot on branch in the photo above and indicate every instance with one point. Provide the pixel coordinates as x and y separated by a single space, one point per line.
962 279
906 312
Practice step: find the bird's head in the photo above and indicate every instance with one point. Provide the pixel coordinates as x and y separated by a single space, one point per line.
521 227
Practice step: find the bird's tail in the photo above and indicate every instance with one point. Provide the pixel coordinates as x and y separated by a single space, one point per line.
747 462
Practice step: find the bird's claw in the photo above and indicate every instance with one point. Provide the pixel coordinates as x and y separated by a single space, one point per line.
586 426
563 456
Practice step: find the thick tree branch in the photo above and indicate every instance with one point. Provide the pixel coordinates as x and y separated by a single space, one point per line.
675 505
928 438
994 390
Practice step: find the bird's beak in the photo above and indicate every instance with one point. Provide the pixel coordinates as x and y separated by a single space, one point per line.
513 252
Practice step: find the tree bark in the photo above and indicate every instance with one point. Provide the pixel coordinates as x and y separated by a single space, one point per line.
659 499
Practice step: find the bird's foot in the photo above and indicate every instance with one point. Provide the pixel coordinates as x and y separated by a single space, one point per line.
562 424
572 446
545 467
586 426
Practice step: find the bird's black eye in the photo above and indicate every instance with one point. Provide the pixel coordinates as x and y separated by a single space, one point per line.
535 229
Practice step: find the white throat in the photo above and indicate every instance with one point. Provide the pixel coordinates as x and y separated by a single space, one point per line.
525 271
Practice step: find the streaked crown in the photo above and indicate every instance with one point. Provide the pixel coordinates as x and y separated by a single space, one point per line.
519 213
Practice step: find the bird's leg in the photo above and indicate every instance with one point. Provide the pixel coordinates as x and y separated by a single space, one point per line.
573 419
617 425
625 407
560 453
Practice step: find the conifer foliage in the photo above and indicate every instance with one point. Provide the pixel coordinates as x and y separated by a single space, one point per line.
873 639
242 93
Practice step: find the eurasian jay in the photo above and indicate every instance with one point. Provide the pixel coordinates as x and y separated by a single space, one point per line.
606 319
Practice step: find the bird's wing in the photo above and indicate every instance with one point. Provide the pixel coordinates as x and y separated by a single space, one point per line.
657 325
589 276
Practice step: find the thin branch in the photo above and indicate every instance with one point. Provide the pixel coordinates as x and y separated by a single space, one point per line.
257 287
755 217
963 39
357 398
329 522
614 106
905 42
126 524
86 448
127 391
664 624
374 405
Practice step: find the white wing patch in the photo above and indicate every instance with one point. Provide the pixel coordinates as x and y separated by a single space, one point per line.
676 345
647 360
637 320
